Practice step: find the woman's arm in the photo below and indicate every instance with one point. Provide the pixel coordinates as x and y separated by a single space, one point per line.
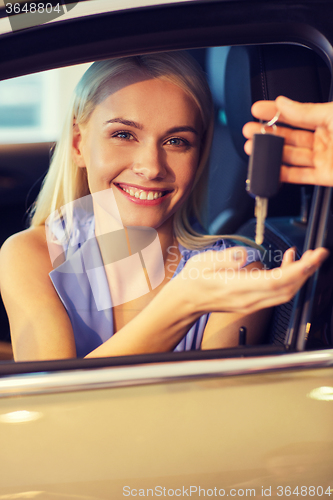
39 324
213 281
41 328
159 327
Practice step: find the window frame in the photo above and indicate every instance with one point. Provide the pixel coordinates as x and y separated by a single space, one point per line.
186 25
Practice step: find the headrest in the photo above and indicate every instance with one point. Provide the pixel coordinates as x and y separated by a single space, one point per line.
216 65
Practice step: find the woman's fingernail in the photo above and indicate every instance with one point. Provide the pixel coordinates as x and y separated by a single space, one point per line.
238 255
325 256
293 252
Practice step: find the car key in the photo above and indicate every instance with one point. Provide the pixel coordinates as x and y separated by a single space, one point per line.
263 178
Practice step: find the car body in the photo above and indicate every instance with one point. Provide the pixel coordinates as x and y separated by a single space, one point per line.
248 421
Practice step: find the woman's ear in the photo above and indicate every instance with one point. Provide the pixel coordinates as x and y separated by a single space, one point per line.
77 146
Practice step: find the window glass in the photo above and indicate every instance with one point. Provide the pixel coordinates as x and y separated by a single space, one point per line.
32 107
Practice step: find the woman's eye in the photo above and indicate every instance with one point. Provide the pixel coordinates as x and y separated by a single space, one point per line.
176 141
123 135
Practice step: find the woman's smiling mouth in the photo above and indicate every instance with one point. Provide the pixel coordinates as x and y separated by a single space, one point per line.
142 196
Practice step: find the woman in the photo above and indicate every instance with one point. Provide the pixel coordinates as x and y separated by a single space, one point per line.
133 154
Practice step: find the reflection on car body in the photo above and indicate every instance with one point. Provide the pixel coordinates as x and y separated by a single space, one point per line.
256 418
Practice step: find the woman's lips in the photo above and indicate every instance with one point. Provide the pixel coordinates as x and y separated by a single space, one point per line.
142 196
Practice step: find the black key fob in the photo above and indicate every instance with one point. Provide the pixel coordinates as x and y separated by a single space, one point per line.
263 177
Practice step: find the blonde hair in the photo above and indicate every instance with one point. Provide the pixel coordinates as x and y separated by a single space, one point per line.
66 182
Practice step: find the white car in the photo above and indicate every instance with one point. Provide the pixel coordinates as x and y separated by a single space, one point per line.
252 421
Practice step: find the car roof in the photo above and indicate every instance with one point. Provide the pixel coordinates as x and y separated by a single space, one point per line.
155 25
83 8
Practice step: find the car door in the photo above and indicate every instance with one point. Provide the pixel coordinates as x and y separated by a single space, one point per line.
248 421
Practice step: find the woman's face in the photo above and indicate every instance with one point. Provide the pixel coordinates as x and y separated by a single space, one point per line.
143 141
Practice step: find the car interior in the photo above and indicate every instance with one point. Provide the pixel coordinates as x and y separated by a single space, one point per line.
238 76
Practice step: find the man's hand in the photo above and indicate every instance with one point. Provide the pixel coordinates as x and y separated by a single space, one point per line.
308 151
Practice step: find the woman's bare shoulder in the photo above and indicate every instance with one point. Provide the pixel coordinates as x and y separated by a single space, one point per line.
27 248
33 236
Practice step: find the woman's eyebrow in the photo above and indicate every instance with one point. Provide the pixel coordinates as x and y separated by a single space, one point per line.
130 123
123 121
185 128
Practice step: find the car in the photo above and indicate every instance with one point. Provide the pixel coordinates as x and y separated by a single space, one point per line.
249 421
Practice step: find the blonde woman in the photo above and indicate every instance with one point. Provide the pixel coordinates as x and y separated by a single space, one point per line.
127 174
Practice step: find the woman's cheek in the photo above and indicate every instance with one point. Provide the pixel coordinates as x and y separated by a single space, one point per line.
188 174
104 168
114 161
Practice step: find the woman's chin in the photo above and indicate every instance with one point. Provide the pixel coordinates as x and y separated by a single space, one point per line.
136 221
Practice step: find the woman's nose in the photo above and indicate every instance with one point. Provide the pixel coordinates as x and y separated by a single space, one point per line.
150 162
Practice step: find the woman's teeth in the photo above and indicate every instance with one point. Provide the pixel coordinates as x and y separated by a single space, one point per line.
143 195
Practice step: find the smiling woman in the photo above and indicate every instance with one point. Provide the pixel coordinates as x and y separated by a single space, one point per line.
128 273
143 141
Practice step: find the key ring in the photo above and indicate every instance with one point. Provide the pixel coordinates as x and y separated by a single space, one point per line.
270 123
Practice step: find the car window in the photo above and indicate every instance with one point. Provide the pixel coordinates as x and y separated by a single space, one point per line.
33 107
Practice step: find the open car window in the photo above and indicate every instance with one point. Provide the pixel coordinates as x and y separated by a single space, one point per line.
224 213
33 122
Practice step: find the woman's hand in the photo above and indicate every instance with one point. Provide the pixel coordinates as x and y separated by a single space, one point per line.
308 153
216 281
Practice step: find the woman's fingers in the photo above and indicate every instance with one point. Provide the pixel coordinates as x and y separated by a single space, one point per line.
212 262
279 285
315 257
228 286
288 256
231 257
294 274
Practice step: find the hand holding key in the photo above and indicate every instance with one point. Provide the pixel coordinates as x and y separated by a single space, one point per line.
264 172
308 149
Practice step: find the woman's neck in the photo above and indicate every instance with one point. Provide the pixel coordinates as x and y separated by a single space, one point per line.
167 239
127 252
